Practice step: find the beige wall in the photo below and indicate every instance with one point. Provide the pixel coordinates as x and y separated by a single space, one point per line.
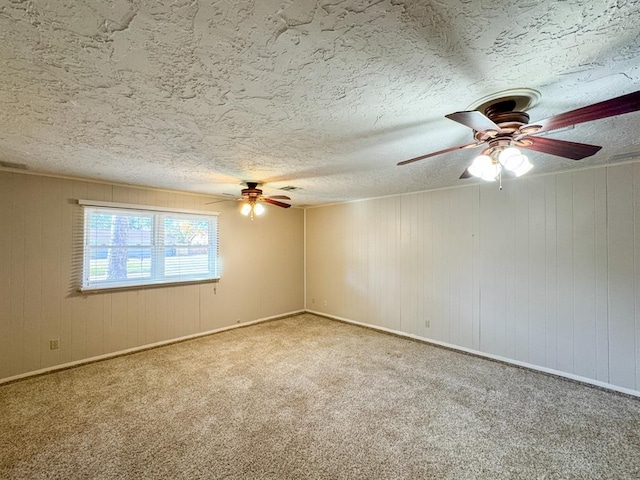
262 276
545 272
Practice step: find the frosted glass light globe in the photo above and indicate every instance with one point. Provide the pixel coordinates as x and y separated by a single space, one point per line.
511 158
258 209
479 165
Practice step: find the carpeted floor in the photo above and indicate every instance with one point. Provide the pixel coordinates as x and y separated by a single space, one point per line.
307 397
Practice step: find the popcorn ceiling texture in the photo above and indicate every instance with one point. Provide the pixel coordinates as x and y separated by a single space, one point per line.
324 95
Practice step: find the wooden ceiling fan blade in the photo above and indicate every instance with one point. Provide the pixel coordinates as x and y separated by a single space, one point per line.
446 150
276 202
609 108
561 148
279 197
225 199
474 119
465 174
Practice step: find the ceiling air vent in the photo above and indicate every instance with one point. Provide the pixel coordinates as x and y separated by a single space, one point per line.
290 188
625 156
17 166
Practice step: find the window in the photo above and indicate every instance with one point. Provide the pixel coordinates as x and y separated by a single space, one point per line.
134 245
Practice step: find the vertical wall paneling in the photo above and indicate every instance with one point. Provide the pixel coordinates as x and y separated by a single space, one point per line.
41 234
318 239
51 266
446 267
341 262
7 197
409 282
387 297
621 276
383 264
491 259
437 240
475 219
363 257
636 265
550 281
511 250
372 219
79 303
438 262
32 333
65 278
584 273
521 262
506 256
545 271
394 281
5 279
602 284
564 272
467 254
354 286
416 257
375 263
537 271
455 244
426 247
17 271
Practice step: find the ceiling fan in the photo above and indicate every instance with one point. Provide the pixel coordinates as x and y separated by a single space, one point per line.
503 129
252 198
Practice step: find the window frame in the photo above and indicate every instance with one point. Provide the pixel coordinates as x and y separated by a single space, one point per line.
158 276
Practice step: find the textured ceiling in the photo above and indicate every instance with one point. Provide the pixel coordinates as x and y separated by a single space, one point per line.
325 95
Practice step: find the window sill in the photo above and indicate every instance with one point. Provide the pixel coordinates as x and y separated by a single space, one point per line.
101 289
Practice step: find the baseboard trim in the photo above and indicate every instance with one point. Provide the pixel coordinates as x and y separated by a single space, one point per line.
149 346
498 358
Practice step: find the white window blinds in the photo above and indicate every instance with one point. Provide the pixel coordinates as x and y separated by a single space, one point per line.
125 246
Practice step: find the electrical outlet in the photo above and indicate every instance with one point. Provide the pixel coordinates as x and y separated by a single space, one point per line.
427 323
54 344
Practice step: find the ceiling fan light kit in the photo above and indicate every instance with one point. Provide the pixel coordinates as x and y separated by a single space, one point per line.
251 208
252 198
499 122
489 167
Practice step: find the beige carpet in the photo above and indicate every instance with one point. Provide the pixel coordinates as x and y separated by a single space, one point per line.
307 397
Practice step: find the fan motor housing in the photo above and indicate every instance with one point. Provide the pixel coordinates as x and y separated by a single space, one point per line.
252 190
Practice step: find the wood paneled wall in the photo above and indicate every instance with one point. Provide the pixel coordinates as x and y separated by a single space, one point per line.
545 272
38 303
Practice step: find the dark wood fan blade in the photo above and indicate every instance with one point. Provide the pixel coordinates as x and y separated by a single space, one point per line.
561 148
279 197
451 149
465 174
473 119
275 202
616 106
